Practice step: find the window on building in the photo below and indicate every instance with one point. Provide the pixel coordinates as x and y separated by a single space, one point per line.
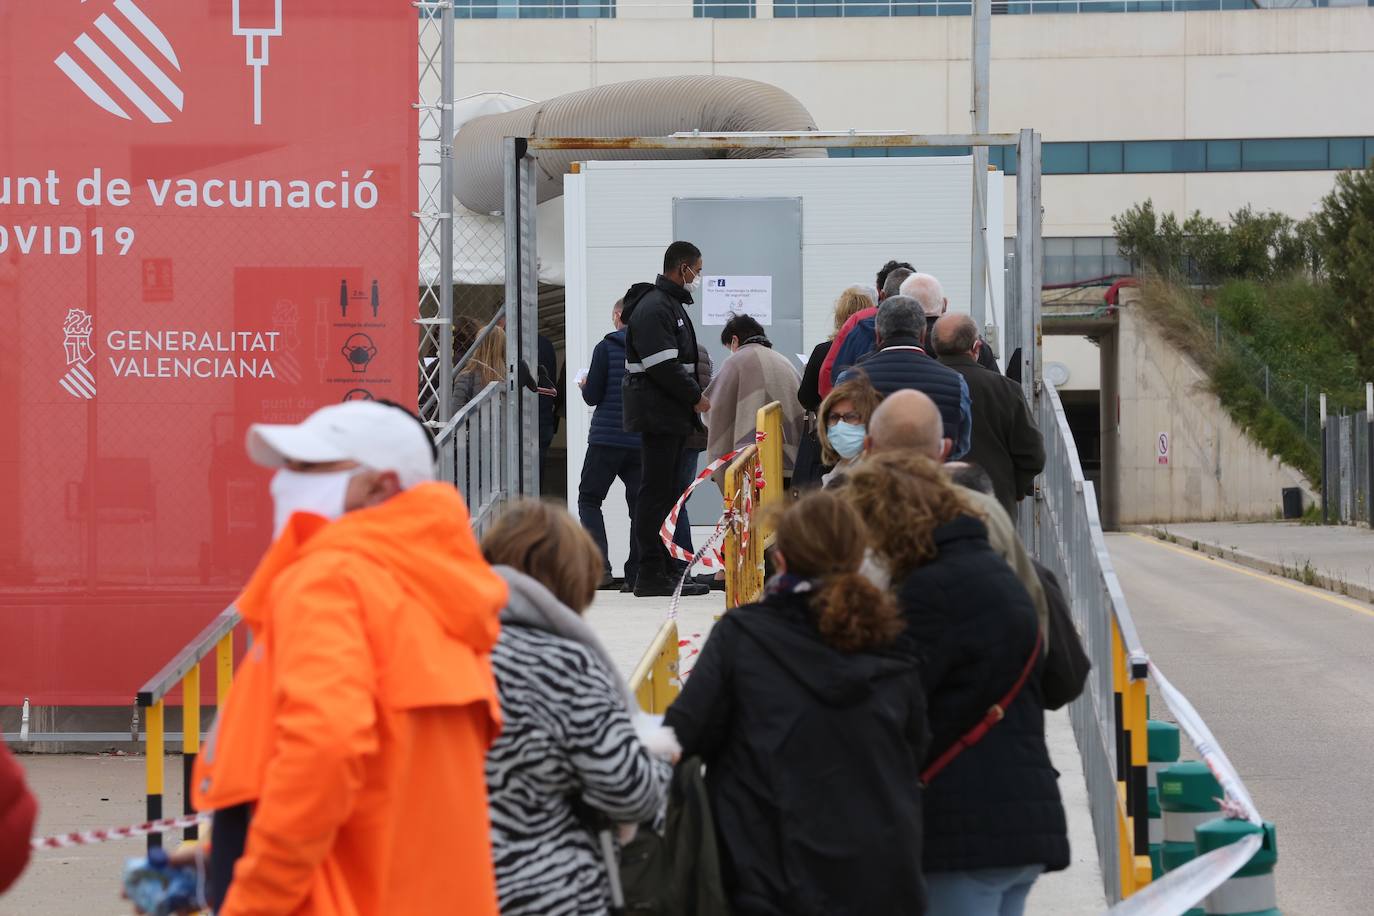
724 9
533 9
1109 157
1063 158
1077 260
1223 155
1347 153
1165 156
791 9
1284 155
1104 158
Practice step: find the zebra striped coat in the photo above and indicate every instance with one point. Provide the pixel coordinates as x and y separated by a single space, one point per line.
566 735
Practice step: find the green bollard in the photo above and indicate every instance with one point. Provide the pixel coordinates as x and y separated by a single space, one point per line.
1188 798
1250 891
1156 834
1162 746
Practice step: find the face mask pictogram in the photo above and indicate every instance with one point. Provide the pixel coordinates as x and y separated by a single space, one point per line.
359 350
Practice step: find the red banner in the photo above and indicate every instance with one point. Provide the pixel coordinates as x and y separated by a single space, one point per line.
205 221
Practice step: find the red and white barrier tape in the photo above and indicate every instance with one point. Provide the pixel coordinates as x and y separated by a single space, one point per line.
1184 887
712 559
91 837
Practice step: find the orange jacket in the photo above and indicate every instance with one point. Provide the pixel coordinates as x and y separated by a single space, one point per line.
360 720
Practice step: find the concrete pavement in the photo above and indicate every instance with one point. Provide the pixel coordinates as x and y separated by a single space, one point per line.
1338 557
1281 674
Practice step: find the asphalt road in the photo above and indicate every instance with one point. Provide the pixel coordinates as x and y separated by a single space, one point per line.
1283 676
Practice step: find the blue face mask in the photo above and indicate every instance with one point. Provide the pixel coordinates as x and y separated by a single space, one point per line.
847 438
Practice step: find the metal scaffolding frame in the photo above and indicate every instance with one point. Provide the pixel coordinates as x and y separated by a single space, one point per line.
435 215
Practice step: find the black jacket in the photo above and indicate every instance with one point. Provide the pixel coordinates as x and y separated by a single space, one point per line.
603 391
1005 441
997 804
901 364
660 360
809 393
811 758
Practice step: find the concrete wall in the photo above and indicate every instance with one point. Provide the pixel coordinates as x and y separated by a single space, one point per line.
1215 471
1093 76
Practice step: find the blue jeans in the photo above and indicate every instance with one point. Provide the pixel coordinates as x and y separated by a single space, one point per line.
601 466
980 892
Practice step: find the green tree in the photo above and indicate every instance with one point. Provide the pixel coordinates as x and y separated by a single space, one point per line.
1345 227
1149 241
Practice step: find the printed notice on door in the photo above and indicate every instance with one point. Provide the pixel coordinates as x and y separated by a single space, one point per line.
725 296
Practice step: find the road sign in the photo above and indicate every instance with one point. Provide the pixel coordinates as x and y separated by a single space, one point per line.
1162 448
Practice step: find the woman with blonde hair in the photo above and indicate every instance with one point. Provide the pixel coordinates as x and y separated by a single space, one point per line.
807 711
842 423
485 366
567 739
994 820
811 465
854 299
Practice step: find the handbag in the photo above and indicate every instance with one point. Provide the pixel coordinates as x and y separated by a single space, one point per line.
808 469
1066 664
677 872
996 713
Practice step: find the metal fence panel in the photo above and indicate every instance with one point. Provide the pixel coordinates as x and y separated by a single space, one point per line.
1070 542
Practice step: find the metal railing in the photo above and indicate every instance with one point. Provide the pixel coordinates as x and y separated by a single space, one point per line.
472 454
184 670
1109 717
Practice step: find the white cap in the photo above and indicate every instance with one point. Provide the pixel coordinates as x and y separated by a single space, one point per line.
377 436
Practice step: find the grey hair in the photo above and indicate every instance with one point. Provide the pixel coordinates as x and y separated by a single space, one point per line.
898 316
925 289
893 284
867 290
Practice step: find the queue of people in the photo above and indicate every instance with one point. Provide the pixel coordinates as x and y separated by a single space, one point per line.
426 724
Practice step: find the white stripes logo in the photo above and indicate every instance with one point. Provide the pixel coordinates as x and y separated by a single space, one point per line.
79 382
116 62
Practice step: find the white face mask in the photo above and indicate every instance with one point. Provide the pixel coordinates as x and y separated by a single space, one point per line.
695 285
319 494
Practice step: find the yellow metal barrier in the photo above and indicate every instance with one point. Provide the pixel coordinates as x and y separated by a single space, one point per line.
184 669
769 424
744 574
655 681
743 561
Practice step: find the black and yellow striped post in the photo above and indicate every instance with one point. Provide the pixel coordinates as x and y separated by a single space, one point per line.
190 741
1138 774
224 669
1131 708
156 769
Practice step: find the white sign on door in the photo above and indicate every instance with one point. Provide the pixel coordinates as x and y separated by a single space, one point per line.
725 296
1162 448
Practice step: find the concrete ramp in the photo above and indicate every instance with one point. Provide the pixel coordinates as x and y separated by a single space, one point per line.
1182 457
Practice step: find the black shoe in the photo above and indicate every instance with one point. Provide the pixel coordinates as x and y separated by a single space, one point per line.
710 581
610 583
660 586
628 586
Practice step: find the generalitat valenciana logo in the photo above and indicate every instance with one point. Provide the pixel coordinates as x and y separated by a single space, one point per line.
79 382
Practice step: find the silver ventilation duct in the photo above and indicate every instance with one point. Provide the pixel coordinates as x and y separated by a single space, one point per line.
639 108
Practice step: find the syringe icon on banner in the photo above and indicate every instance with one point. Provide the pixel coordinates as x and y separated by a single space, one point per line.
259 27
